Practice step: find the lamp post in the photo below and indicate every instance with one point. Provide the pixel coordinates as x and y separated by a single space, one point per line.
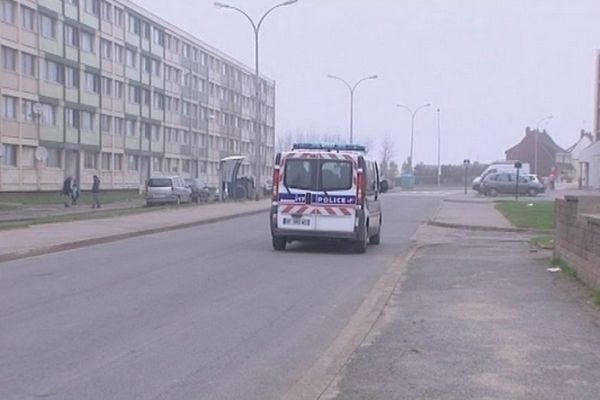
256 27
439 175
413 114
352 88
537 134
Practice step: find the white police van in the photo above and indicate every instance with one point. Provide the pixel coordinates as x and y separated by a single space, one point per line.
323 192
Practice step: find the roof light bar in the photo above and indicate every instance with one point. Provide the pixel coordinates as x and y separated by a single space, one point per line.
328 147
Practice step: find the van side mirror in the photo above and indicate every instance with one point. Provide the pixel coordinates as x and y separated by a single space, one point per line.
383 186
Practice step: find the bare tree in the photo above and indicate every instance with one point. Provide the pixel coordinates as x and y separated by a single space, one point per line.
386 154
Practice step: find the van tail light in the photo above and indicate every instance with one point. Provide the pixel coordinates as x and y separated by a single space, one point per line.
360 188
275 183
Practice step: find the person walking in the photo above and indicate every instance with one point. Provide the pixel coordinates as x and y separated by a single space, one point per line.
96 192
67 191
74 192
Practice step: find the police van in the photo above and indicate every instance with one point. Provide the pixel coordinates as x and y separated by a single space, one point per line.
323 192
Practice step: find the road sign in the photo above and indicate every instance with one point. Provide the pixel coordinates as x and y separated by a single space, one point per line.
37 108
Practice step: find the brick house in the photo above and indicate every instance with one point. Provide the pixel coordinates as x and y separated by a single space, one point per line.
525 151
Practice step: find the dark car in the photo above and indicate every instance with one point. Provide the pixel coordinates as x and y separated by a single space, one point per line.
200 191
506 183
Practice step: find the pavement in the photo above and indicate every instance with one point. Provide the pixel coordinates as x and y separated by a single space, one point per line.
46 238
477 315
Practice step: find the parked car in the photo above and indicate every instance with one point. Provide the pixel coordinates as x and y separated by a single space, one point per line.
496 167
506 183
167 189
201 192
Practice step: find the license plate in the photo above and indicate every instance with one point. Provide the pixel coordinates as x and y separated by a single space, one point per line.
296 221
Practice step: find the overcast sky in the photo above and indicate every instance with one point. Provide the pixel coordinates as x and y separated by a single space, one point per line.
491 66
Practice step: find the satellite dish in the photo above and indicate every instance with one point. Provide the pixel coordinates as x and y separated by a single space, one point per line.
37 108
41 153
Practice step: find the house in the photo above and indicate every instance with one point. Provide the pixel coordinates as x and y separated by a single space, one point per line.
568 162
525 151
589 166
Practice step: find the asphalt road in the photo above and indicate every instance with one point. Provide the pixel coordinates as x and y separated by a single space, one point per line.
204 313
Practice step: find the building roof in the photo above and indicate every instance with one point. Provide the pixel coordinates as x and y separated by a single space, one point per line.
544 140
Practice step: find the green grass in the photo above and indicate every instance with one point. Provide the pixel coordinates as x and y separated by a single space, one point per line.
543 242
24 199
526 214
9 206
564 266
596 296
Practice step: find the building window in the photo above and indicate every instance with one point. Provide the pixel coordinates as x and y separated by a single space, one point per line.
156 67
92 7
146 97
117 162
9 158
87 121
48 115
146 130
106 9
105 123
134 25
119 51
105 163
106 49
119 129
27 156
106 86
9 59
159 101
87 41
9 109
156 132
53 72
134 94
118 89
90 160
71 77
146 64
48 26
72 118
28 64
156 164
27 18
159 37
54 159
185 166
132 163
27 114
71 36
130 126
92 82
130 58
7 11
118 17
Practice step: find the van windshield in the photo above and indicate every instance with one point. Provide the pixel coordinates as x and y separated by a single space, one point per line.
318 175
159 182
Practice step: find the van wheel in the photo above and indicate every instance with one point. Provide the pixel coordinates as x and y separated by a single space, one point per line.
532 192
360 246
492 192
279 243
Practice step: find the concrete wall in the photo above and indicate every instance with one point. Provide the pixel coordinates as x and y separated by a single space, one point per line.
578 236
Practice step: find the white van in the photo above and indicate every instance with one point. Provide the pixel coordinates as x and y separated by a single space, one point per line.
507 166
323 192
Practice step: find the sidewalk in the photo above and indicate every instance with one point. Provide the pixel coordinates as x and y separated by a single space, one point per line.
41 239
478 316
469 212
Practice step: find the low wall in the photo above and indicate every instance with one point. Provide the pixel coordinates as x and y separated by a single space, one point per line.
577 238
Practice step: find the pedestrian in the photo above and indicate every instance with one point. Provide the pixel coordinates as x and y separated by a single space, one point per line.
74 192
96 192
67 191
552 178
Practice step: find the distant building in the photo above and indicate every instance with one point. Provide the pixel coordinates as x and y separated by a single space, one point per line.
569 162
107 88
547 150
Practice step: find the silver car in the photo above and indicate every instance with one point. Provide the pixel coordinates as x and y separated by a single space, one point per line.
167 189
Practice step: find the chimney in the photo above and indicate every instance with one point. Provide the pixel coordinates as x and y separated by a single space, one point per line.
527 131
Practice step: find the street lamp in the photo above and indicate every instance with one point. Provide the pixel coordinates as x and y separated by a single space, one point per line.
352 88
439 177
413 114
256 27
537 134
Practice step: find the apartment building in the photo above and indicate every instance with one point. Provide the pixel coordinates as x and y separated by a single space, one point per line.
103 87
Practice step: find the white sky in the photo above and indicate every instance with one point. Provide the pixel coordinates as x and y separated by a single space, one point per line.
492 66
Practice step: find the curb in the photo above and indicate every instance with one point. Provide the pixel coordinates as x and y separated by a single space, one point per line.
484 228
121 236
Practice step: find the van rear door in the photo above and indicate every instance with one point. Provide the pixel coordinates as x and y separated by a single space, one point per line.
299 180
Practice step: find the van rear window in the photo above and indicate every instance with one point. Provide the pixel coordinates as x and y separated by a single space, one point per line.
159 182
325 175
